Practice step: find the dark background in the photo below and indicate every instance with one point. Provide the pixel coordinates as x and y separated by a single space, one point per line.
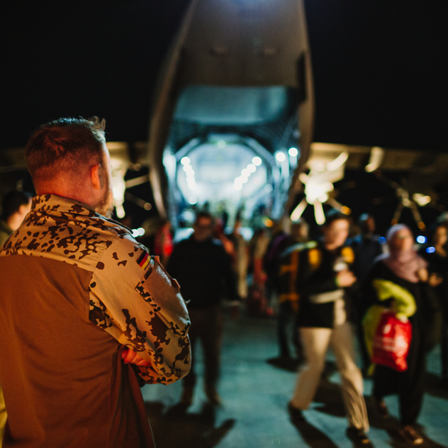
379 68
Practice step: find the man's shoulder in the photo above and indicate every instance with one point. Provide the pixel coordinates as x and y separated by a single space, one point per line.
74 239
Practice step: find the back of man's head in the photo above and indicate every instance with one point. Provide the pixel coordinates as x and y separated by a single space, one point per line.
12 202
63 150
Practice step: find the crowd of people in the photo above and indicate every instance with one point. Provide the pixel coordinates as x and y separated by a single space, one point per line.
89 314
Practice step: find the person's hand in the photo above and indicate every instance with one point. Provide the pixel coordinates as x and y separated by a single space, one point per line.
345 278
435 280
422 274
130 357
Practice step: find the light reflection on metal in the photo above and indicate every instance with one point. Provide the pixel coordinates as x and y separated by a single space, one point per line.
318 186
376 159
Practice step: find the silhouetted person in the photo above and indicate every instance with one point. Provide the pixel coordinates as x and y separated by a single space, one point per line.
437 257
204 269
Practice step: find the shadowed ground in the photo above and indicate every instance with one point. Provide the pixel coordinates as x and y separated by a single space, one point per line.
255 390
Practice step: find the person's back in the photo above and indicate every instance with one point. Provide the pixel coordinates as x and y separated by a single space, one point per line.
202 268
78 295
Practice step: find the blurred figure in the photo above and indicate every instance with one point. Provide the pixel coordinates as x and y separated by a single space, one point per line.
399 282
241 262
286 270
163 241
15 206
437 257
324 274
257 303
218 233
204 269
367 248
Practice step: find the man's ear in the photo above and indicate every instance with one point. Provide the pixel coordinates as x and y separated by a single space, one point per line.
97 176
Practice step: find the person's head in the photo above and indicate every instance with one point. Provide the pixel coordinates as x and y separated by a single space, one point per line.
366 224
203 226
335 229
15 206
440 235
300 230
399 238
69 157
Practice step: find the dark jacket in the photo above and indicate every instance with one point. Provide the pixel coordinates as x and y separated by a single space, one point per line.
204 272
316 275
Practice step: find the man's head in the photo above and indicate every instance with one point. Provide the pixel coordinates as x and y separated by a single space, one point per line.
203 226
15 206
69 157
335 229
366 224
300 230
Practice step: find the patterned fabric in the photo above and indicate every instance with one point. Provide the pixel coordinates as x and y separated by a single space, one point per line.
131 295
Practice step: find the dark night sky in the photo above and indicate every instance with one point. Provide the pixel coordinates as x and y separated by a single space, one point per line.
379 71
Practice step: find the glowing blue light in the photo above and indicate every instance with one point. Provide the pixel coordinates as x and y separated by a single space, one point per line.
256 161
421 239
382 240
430 250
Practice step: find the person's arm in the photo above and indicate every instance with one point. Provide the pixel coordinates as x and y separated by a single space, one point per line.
134 299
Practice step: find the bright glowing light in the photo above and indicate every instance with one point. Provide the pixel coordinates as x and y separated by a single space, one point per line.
256 161
193 200
280 156
237 186
421 239
421 199
188 169
382 240
243 179
245 173
138 232
293 152
222 144
323 197
185 161
251 168
430 250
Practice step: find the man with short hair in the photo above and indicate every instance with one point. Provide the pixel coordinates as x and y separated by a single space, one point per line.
85 311
204 269
15 206
323 275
